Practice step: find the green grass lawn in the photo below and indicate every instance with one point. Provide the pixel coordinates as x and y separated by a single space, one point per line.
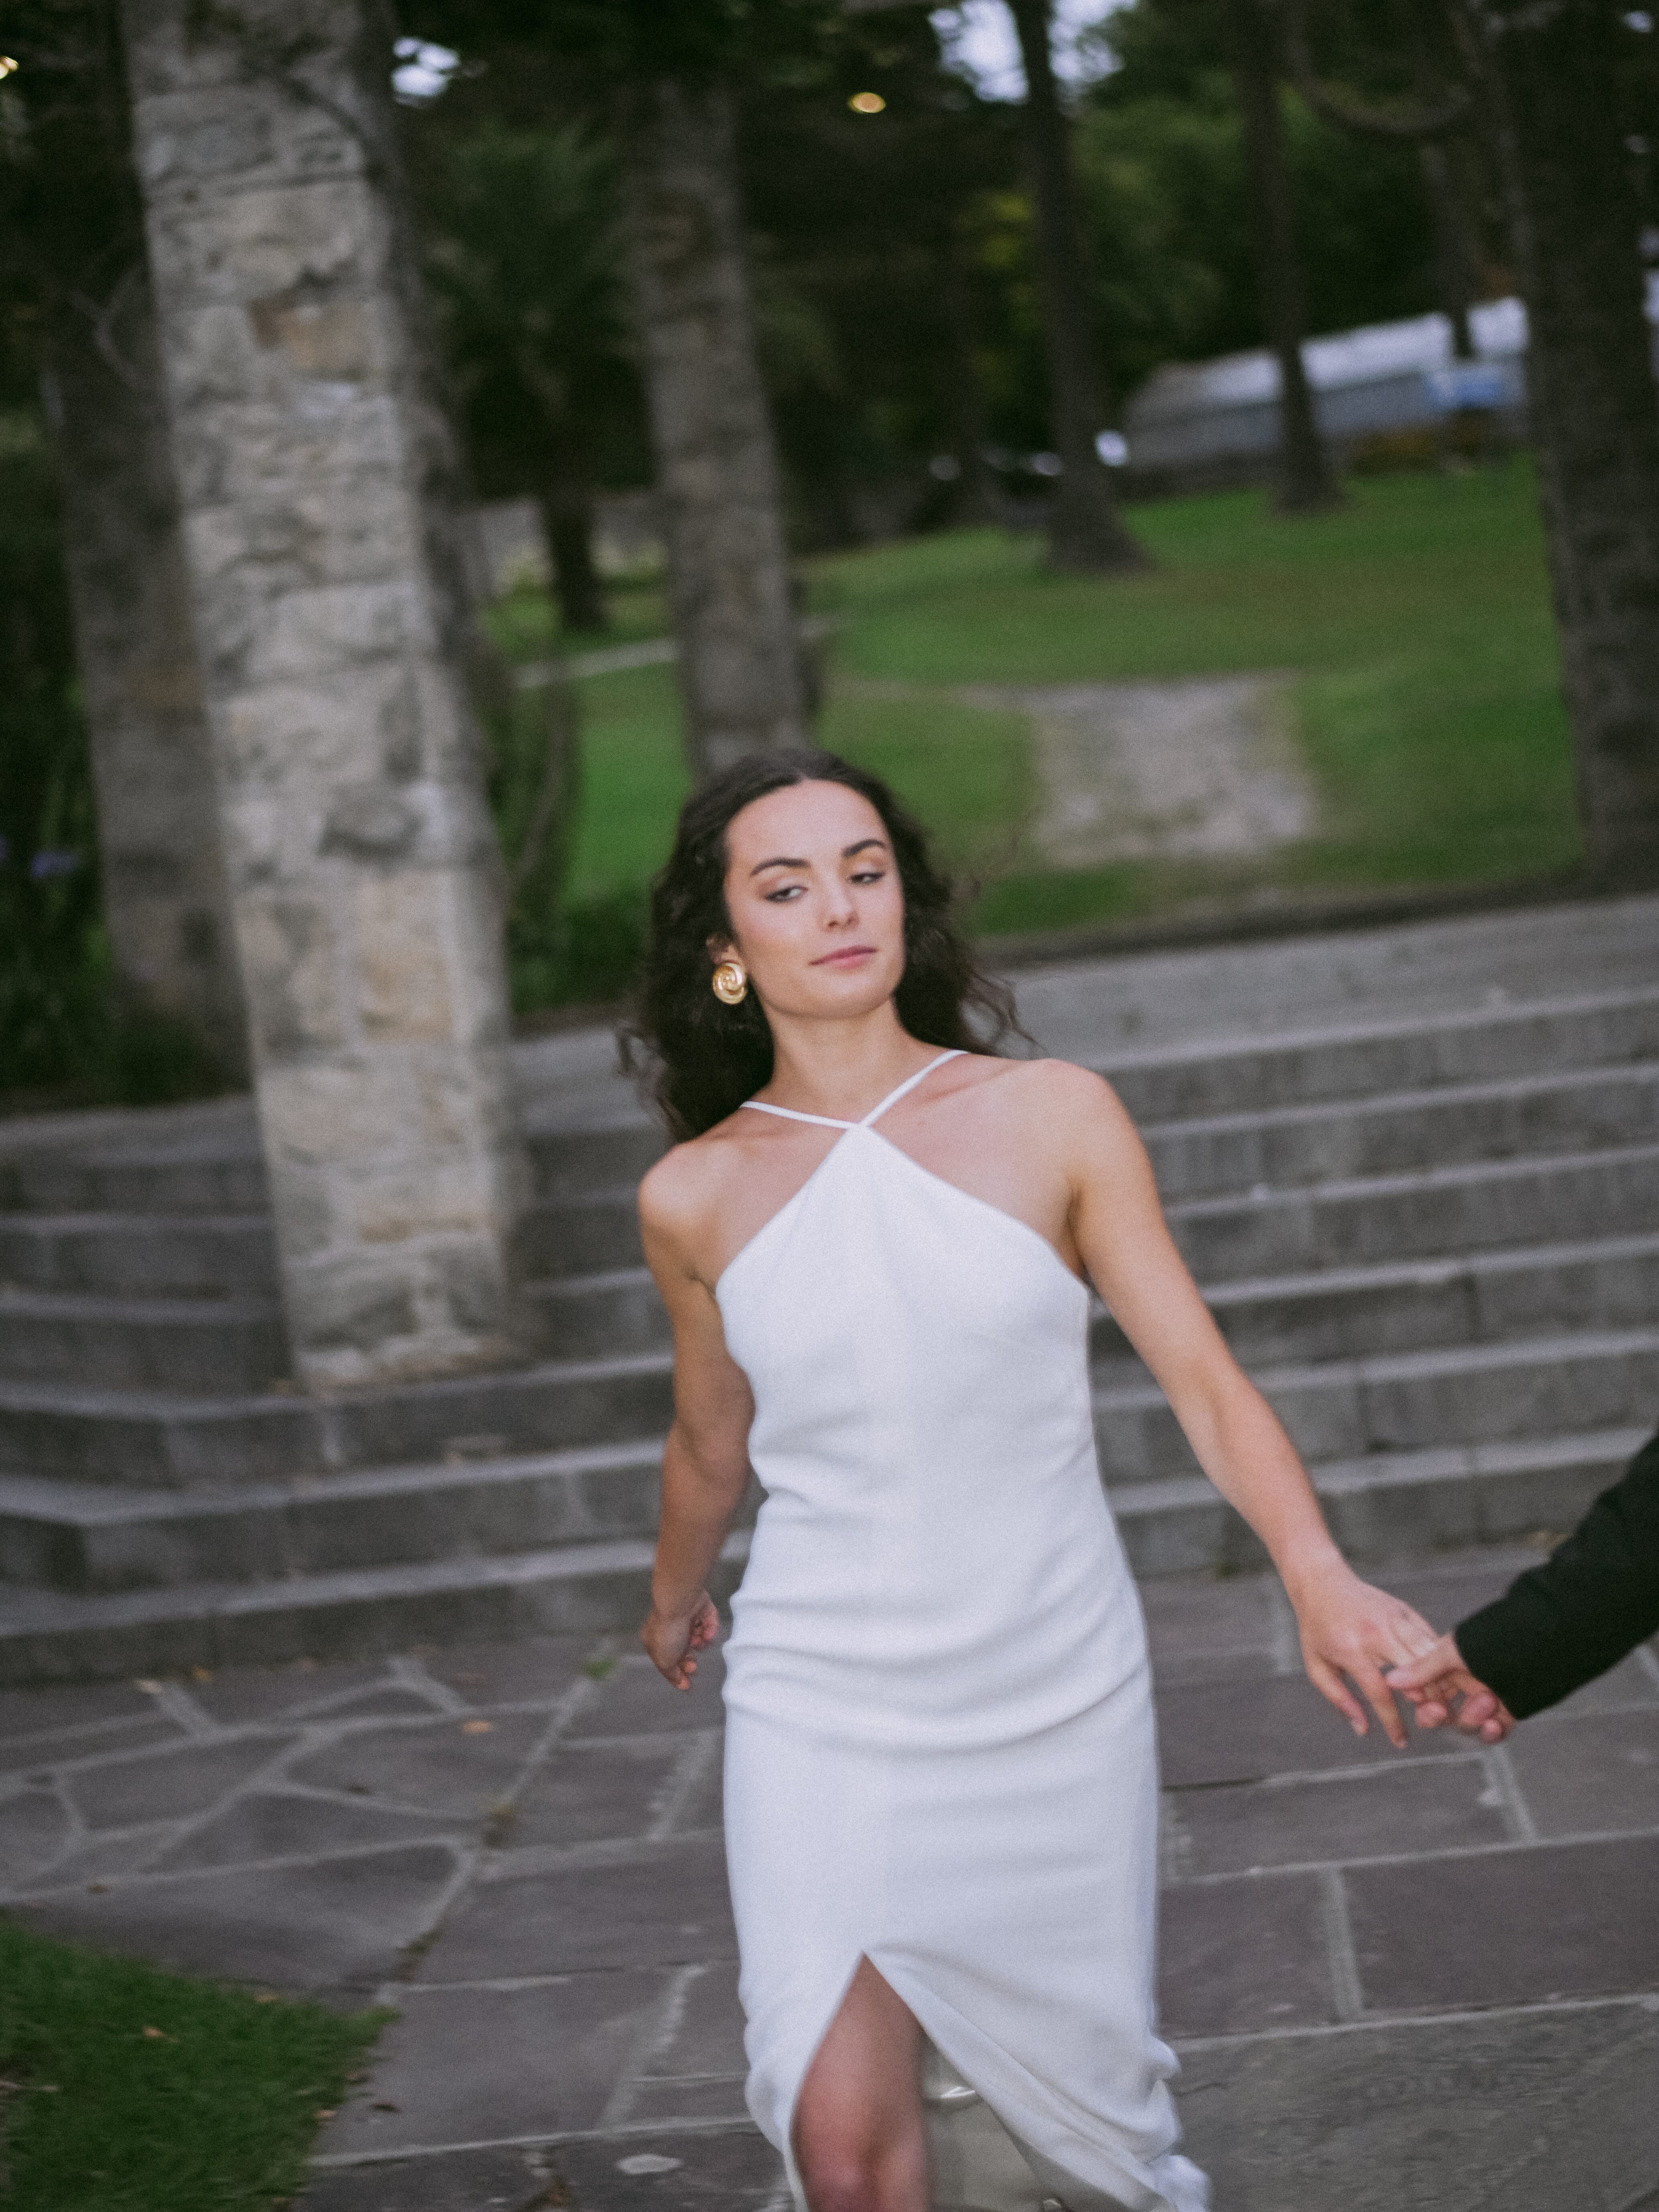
1415 624
126 2090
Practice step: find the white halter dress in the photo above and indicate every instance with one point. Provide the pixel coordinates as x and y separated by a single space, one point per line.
939 1749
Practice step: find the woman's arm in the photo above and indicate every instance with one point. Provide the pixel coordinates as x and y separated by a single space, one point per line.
1348 1628
705 1465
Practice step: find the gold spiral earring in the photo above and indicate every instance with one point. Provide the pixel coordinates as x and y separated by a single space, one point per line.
731 984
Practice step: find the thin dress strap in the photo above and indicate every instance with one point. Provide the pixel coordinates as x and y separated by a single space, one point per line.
908 1083
828 1121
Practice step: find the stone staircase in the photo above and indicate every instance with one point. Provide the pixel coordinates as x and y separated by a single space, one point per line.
1416 1169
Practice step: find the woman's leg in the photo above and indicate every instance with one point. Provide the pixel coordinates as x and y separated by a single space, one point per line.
860 2139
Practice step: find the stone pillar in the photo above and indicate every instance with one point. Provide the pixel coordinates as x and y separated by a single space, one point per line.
319 491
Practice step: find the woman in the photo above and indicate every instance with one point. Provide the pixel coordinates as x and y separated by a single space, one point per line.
940 1779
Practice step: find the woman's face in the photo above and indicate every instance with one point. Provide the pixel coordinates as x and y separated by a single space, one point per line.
813 892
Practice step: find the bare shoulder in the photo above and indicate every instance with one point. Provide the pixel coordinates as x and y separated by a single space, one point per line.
1058 1097
678 1194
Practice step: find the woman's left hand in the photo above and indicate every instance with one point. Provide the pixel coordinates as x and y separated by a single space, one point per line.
1351 1630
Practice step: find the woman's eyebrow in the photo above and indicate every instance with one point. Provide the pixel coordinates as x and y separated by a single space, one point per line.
848 852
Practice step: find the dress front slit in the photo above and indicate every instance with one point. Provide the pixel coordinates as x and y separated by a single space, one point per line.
939 1743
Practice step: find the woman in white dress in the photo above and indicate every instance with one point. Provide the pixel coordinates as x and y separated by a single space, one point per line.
940 1780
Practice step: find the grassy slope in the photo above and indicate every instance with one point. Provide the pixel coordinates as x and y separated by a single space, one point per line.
215 2113
1416 624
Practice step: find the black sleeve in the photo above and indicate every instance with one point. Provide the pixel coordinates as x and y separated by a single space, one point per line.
1594 1598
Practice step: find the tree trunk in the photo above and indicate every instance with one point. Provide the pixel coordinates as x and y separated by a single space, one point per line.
317 482
1307 482
1594 411
1454 255
740 669
567 507
166 904
1086 535
976 498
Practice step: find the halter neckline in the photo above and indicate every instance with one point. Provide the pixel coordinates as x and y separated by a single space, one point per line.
869 1121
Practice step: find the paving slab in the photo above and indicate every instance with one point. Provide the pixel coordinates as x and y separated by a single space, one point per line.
339 1926
633 1700
1236 1731
454 1767
660 1905
269 1824
1591 1771
456 2181
1573 1920
724 2170
1237 1957
54 1747
530 2059
1403 1808
35 1828
1395 1981
1528 2111
168 1783
590 1793
536 1670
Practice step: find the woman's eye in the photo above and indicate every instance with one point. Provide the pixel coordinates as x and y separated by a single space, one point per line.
784 891
869 875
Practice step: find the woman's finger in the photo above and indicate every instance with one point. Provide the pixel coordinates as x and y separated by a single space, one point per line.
1331 1687
1369 1677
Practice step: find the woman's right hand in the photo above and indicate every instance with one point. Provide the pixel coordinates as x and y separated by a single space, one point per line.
671 1639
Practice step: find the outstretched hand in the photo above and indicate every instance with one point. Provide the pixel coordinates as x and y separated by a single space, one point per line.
672 1643
1351 1634
1443 1689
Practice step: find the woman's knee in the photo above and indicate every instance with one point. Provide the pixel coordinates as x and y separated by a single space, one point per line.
873 2176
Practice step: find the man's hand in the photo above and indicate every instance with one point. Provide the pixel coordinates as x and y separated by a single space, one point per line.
1443 1689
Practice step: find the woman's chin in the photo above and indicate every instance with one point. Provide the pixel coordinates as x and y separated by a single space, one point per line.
843 993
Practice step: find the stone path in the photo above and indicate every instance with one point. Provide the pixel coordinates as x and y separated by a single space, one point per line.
1205 769
1420 1982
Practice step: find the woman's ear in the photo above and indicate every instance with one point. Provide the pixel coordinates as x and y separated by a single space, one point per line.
720 948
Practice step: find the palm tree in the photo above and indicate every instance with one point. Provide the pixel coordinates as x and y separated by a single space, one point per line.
525 258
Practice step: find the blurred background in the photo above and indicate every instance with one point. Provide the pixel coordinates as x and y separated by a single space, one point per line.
1156 430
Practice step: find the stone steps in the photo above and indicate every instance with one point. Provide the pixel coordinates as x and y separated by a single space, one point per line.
158 1440
1411 1400
1334 1312
97 1537
164 1179
1430 1212
140 1254
1410 1305
1443 1496
1368 1060
1283 1148
1423 1197
486 1499
1287 1145
197 1345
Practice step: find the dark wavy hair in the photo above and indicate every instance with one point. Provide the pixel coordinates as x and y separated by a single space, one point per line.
699 1059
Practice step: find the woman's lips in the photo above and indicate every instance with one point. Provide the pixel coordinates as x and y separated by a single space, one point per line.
846 954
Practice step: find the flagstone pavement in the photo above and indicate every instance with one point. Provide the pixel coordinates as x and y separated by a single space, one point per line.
1419 1981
